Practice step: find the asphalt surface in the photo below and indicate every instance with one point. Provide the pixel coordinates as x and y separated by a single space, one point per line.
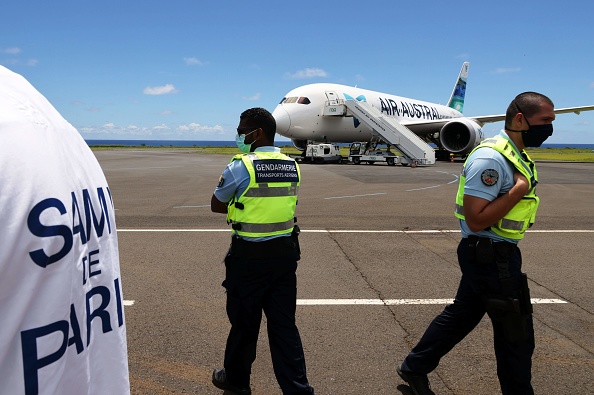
373 232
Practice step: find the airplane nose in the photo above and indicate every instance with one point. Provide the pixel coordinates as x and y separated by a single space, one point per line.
283 121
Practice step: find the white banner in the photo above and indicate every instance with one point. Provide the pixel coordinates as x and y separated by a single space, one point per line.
62 327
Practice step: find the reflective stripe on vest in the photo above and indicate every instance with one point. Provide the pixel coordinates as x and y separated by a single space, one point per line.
263 190
267 228
267 206
523 214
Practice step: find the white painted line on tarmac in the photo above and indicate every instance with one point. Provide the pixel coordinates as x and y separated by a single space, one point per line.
357 230
562 231
174 230
387 302
352 196
394 302
547 301
420 189
143 168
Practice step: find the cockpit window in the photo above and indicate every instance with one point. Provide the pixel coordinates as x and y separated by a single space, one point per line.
300 100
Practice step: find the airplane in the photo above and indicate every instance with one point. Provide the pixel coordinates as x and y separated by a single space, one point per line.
301 116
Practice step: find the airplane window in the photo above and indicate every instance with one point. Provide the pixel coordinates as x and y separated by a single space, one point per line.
300 100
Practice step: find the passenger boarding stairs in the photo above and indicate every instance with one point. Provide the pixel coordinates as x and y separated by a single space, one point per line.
392 132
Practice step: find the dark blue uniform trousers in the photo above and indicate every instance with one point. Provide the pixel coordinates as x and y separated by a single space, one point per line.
269 285
514 360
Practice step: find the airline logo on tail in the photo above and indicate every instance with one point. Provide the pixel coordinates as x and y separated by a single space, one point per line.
457 99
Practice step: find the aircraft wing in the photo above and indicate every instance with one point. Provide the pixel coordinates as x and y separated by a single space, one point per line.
422 128
496 118
488 119
576 110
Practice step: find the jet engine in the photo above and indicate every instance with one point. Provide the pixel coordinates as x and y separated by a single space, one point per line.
460 136
301 145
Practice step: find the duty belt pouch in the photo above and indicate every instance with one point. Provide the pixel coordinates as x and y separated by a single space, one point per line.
511 309
483 252
295 238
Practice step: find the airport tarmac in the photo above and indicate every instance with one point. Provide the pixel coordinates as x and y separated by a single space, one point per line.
378 263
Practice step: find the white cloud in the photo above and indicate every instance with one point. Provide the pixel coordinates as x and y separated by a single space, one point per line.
307 73
194 62
253 98
159 90
11 51
16 61
196 127
110 130
592 85
192 131
504 70
166 112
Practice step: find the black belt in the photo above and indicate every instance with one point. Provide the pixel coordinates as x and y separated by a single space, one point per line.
486 251
277 247
473 240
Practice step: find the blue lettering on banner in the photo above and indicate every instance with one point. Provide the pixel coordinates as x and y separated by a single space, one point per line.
90 217
33 362
275 170
80 228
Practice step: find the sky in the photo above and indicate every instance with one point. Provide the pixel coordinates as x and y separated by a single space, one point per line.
186 69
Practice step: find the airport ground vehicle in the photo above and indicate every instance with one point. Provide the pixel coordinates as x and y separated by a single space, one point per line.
321 153
371 152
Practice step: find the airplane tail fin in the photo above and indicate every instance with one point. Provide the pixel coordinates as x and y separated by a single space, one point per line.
457 98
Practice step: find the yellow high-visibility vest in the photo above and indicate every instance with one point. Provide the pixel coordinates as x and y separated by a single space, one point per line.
523 214
267 206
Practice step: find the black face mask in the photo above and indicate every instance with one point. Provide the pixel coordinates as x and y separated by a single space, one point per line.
536 134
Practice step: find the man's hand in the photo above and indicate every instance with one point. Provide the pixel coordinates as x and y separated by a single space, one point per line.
521 183
481 213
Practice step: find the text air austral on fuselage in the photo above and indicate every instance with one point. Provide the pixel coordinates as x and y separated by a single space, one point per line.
315 113
409 110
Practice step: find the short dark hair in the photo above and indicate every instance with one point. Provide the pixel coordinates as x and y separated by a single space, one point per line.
260 118
528 103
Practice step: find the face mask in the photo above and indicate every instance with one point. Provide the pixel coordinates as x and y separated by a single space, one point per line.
536 135
240 141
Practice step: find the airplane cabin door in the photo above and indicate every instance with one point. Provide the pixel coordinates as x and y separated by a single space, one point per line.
332 97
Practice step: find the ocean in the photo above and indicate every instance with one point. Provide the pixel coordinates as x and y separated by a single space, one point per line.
172 143
212 143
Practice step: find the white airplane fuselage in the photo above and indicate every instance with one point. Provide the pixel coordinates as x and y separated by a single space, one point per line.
303 115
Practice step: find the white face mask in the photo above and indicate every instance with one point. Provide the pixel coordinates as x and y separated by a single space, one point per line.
240 141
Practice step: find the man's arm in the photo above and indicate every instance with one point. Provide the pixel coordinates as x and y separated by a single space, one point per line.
481 213
216 206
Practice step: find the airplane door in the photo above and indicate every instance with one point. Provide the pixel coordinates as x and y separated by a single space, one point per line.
332 97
